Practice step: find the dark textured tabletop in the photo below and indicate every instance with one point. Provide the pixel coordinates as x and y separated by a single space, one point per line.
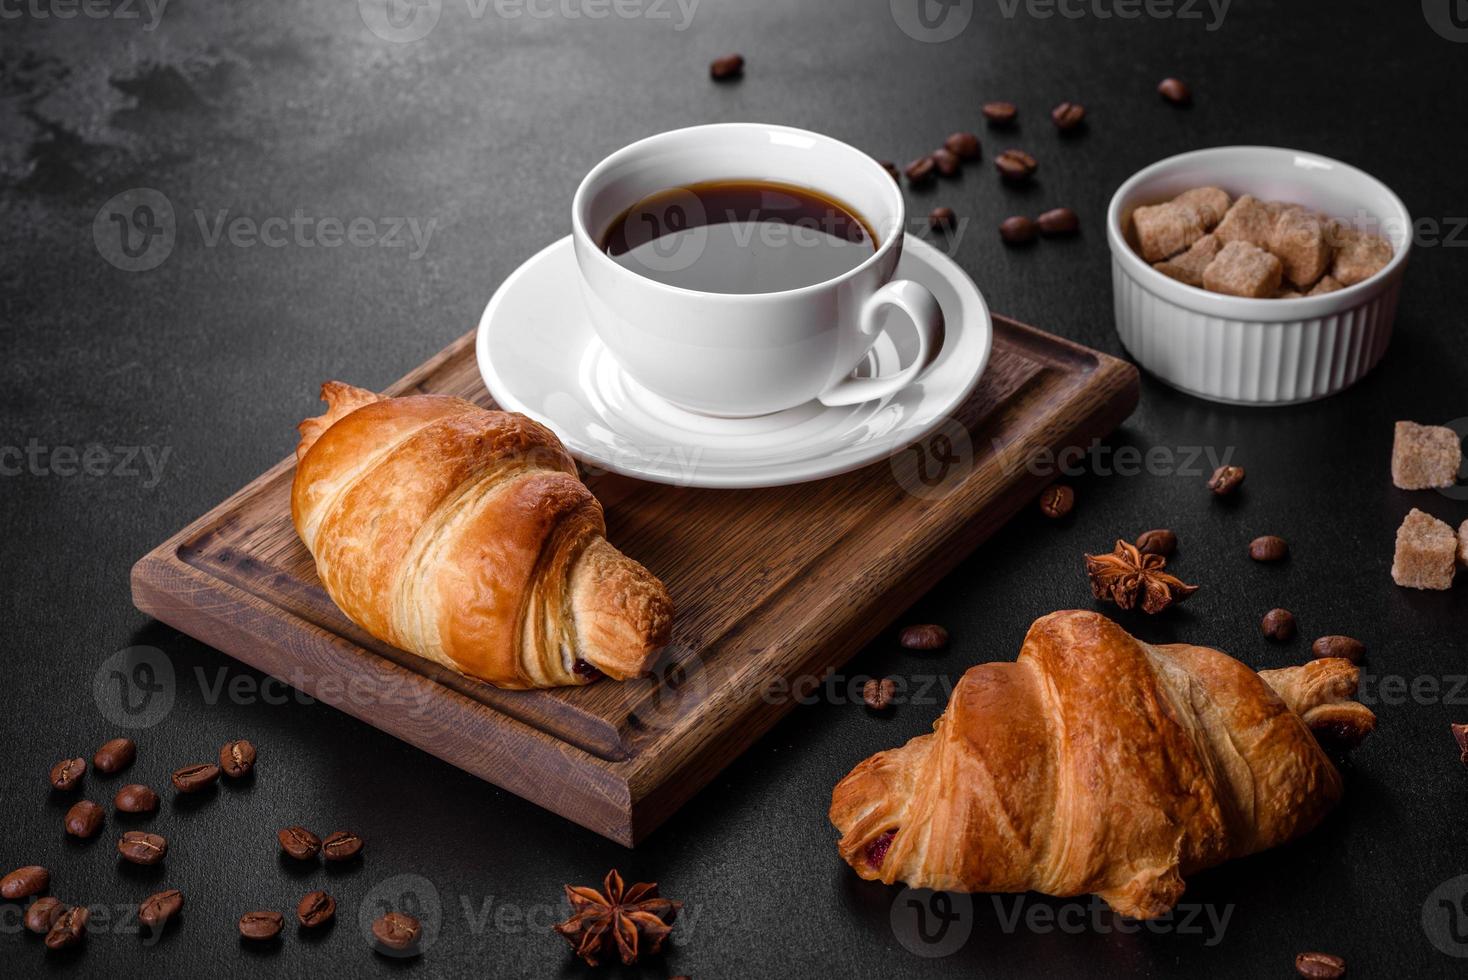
459 152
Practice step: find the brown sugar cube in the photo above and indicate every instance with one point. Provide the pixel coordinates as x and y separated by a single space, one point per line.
1463 544
1163 230
1425 457
1249 220
1327 284
1359 255
1241 269
1211 203
1298 241
1288 292
1426 555
1188 267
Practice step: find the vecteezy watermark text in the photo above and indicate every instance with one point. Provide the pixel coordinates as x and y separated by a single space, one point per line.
88 9
1103 460
94 459
405 21
1211 11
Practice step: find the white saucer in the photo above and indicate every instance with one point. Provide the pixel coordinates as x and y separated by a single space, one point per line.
539 355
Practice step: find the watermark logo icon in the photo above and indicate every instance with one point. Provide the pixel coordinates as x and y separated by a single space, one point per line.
135 230
667 233
134 688
936 465
400 21
1449 18
932 924
408 894
932 21
677 684
1445 917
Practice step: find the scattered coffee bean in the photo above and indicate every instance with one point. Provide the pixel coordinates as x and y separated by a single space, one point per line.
1279 625
1068 115
299 843
84 819
1460 735
1226 479
341 846
25 882
891 169
1018 230
1269 547
397 931
1015 165
878 693
1057 500
1339 646
192 779
1058 222
236 758
67 774
69 929
921 170
315 909
926 636
115 755
1159 541
1175 90
42 914
728 67
261 925
946 161
140 847
135 798
1000 113
1320 966
942 219
965 146
156 910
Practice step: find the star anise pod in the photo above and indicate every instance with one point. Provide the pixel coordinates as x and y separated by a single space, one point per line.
1127 577
630 923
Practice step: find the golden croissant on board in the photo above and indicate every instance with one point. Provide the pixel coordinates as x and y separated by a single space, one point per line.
464 536
1100 764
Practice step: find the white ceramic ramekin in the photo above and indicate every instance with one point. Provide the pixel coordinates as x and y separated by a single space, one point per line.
1257 351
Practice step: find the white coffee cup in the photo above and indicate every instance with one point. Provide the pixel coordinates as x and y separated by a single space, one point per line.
742 354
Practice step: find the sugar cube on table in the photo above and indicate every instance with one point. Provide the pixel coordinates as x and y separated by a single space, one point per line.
1427 553
1425 457
1463 544
1327 284
1188 267
1164 230
1359 255
1249 220
1241 269
1298 240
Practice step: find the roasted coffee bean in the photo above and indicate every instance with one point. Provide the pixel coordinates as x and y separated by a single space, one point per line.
341 846
261 925
727 67
1158 541
1269 547
67 774
1000 113
135 798
878 693
1018 230
157 909
1058 222
1339 646
140 847
192 779
1279 625
69 929
397 931
1057 500
921 170
299 843
1015 165
925 636
84 819
1320 966
315 909
115 755
946 161
891 169
1226 479
236 758
42 914
1068 115
965 146
942 219
1175 90
25 882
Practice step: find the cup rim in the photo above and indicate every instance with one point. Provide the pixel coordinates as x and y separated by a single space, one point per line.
580 201
1244 307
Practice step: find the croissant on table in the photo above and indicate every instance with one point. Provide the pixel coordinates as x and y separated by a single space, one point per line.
465 536
1100 764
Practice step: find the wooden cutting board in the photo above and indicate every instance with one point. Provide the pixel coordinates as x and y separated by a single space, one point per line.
770 586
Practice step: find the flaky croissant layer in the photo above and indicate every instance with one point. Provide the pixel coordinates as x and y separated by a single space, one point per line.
464 536
1100 764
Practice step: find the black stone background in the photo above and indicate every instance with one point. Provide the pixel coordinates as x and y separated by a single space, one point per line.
484 127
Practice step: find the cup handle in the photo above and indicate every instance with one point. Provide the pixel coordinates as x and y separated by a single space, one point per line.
926 315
